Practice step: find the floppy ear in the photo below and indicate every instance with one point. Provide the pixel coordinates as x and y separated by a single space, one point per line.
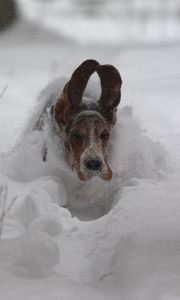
69 102
111 83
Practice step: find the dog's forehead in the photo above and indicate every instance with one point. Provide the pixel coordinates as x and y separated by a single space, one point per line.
86 120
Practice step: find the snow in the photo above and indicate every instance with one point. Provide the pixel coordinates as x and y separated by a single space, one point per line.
107 22
116 240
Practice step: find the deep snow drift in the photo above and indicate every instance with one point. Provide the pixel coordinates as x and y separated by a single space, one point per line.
117 240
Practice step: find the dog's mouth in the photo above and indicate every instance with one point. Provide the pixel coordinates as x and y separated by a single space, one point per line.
87 176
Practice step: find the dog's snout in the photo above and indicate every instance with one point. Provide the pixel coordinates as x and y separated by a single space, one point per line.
93 164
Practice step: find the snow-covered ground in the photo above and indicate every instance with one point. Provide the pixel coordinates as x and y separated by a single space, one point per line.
133 251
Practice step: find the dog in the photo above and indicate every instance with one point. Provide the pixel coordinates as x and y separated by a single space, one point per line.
84 124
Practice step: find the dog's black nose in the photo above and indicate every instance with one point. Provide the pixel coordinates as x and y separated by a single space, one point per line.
93 164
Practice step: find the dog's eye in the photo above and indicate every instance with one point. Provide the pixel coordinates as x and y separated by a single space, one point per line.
77 136
104 136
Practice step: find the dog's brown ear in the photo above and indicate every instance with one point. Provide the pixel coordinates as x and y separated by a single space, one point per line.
111 83
78 82
70 100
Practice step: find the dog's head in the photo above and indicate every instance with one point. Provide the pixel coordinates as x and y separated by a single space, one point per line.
85 125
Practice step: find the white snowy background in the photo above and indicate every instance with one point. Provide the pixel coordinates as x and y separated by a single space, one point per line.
133 251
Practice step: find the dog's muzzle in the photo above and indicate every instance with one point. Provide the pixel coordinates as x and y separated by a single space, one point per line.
93 164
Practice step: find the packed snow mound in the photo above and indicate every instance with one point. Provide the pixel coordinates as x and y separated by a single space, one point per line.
37 255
